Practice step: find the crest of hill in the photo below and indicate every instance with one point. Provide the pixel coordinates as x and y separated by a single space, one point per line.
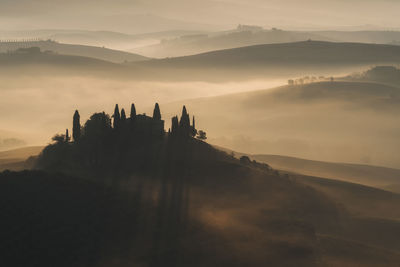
204 42
34 61
312 92
382 74
101 53
245 35
374 176
298 53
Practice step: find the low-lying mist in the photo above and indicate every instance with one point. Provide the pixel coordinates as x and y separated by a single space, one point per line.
37 107
341 122
328 121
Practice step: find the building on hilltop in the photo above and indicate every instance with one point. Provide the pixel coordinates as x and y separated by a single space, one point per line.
148 126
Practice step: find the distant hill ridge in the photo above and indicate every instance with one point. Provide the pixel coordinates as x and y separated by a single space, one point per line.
102 53
308 52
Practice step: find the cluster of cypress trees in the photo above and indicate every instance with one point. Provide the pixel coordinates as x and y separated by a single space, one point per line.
180 126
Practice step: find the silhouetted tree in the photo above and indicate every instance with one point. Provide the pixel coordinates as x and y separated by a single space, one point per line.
97 126
133 111
156 112
201 135
76 127
194 131
174 125
123 116
117 116
58 138
67 137
185 122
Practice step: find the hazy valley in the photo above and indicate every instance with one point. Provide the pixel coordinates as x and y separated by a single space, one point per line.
161 134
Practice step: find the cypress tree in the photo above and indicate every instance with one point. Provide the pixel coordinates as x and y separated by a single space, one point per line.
76 126
67 138
193 127
185 121
174 125
156 112
123 115
133 111
117 116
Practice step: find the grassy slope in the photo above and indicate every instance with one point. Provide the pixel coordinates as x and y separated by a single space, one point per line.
374 176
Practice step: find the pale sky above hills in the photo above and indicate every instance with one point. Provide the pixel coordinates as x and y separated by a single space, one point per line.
135 16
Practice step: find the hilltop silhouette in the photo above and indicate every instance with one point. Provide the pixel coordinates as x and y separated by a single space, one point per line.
117 145
119 190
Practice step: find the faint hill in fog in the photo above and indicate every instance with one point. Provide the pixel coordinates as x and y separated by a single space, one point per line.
322 120
74 50
378 37
16 159
382 74
45 63
300 53
253 62
374 176
368 175
110 39
250 35
243 36
275 60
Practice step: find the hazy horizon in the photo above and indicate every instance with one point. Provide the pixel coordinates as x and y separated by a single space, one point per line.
211 15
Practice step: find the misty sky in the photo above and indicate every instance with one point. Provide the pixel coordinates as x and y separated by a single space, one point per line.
135 16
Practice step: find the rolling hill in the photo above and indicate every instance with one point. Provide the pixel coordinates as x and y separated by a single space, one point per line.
251 35
204 42
368 175
46 64
74 50
382 74
326 121
275 61
373 176
298 53
16 159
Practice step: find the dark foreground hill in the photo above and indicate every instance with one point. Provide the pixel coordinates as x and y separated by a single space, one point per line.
144 197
